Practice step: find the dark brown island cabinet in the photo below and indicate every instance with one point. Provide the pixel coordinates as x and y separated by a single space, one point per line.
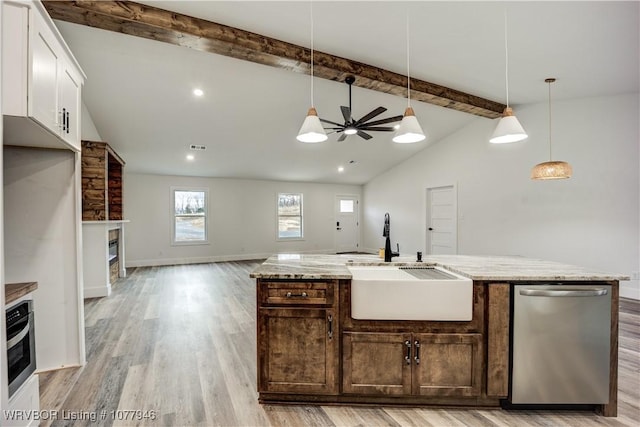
310 349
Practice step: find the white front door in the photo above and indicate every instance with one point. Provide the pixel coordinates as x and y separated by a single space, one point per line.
442 221
346 224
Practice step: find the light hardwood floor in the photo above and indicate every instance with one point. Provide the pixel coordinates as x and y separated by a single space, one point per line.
181 341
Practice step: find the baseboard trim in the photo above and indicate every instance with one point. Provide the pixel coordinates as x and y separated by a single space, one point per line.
97 291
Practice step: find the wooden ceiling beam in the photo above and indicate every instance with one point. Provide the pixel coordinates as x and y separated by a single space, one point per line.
158 24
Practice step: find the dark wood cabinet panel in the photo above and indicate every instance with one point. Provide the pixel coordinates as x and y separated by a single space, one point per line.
498 340
297 351
298 337
374 363
450 365
298 293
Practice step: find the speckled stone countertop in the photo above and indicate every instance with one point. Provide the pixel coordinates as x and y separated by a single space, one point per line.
498 268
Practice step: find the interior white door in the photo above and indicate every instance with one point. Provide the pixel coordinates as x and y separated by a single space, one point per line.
347 224
442 221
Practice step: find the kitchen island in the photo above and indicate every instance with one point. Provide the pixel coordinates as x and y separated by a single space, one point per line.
311 349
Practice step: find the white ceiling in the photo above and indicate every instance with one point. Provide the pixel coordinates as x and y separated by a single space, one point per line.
139 91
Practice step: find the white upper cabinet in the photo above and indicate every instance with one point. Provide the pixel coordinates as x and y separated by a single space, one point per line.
41 80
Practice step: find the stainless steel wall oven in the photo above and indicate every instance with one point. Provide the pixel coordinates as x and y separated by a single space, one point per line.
21 346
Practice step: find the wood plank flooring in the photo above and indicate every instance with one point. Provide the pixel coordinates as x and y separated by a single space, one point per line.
181 341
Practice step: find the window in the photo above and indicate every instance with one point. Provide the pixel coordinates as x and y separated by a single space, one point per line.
189 215
346 206
289 216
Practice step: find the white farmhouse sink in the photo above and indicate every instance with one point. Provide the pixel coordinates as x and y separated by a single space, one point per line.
405 293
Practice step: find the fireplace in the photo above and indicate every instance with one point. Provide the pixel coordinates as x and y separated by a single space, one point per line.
114 259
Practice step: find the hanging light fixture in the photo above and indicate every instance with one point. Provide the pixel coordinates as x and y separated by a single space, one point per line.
312 130
508 128
409 130
551 169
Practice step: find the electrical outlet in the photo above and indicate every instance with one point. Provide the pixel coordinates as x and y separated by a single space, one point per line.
635 275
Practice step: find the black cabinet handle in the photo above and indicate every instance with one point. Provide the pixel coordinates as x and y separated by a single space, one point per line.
330 320
68 122
407 358
417 357
430 229
64 119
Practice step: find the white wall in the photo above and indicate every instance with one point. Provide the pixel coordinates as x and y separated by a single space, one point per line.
40 242
242 219
590 220
88 131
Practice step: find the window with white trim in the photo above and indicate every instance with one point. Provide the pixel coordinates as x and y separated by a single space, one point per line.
189 206
290 224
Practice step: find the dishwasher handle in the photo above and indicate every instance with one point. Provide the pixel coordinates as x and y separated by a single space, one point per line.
594 292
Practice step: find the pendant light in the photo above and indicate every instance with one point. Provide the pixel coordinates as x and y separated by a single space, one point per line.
409 130
551 169
312 130
508 128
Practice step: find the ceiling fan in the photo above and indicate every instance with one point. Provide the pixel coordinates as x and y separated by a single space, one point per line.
358 127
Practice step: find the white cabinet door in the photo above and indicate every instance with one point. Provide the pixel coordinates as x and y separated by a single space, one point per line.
45 65
70 106
41 80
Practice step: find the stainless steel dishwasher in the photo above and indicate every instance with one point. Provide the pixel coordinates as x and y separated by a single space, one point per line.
561 340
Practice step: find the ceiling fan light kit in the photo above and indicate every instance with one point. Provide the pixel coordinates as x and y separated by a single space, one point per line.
508 128
358 127
410 130
551 169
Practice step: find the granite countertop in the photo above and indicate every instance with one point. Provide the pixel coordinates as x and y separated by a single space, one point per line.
498 268
13 291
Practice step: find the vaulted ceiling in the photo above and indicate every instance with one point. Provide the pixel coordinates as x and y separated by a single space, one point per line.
139 91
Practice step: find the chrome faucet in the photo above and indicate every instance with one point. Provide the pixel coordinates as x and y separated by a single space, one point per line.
388 253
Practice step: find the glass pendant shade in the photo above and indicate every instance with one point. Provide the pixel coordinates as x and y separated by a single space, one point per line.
551 170
508 129
312 130
409 130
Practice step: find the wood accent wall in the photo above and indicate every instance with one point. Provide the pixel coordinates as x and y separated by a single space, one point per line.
101 182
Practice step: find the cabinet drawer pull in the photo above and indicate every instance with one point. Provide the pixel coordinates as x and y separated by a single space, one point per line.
67 118
330 320
302 295
417 357
407 358
64 119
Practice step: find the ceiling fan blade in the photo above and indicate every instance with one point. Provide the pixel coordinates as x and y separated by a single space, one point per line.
343 137
346 113
364 135
378 128
385 121
371 115
331 123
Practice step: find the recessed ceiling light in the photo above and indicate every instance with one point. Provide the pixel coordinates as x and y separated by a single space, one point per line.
198 92
340 168
190 157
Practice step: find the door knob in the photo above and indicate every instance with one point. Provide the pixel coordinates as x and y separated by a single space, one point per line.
430 229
